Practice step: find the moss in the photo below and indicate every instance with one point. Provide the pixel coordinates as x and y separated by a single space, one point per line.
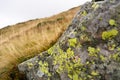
109 34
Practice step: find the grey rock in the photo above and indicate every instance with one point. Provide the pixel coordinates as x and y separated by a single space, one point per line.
94 39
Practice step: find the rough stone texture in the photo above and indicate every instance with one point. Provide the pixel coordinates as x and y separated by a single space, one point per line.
93 38
96 0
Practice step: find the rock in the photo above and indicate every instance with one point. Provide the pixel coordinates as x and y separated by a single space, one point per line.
96 0
88 50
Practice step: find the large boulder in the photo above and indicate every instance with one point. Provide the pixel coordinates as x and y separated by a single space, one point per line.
88 50
96 0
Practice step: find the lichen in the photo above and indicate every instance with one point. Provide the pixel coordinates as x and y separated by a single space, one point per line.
94 73
72 42
68 62
43 66
111 47
84 13
115 56
109 34
84 37
30 65
112 22
83 28
50 50
93 51
102 58
95 6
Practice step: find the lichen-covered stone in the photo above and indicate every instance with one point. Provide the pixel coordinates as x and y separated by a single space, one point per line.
88 50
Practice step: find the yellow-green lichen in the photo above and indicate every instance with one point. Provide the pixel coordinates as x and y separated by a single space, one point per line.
93 51
68 62
30 65
50 50
70 53
95 6
118 48
102 58
84 13
111 47
72 42
115 56
94 73
112 22
109 34
75 76
84 37
83 28
43 66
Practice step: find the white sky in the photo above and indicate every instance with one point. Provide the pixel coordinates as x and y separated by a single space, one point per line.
15 11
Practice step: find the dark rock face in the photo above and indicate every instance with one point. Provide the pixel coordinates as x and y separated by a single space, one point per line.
88 50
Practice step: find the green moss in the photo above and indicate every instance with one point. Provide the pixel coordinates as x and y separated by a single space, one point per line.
109 34
72 42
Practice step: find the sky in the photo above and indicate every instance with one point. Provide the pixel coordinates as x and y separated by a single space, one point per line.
15 11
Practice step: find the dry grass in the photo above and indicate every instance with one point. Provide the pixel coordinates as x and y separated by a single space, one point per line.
24 40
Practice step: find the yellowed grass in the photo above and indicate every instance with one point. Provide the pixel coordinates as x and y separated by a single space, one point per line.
24 40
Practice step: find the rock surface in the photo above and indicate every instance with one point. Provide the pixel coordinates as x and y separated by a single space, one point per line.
88 50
